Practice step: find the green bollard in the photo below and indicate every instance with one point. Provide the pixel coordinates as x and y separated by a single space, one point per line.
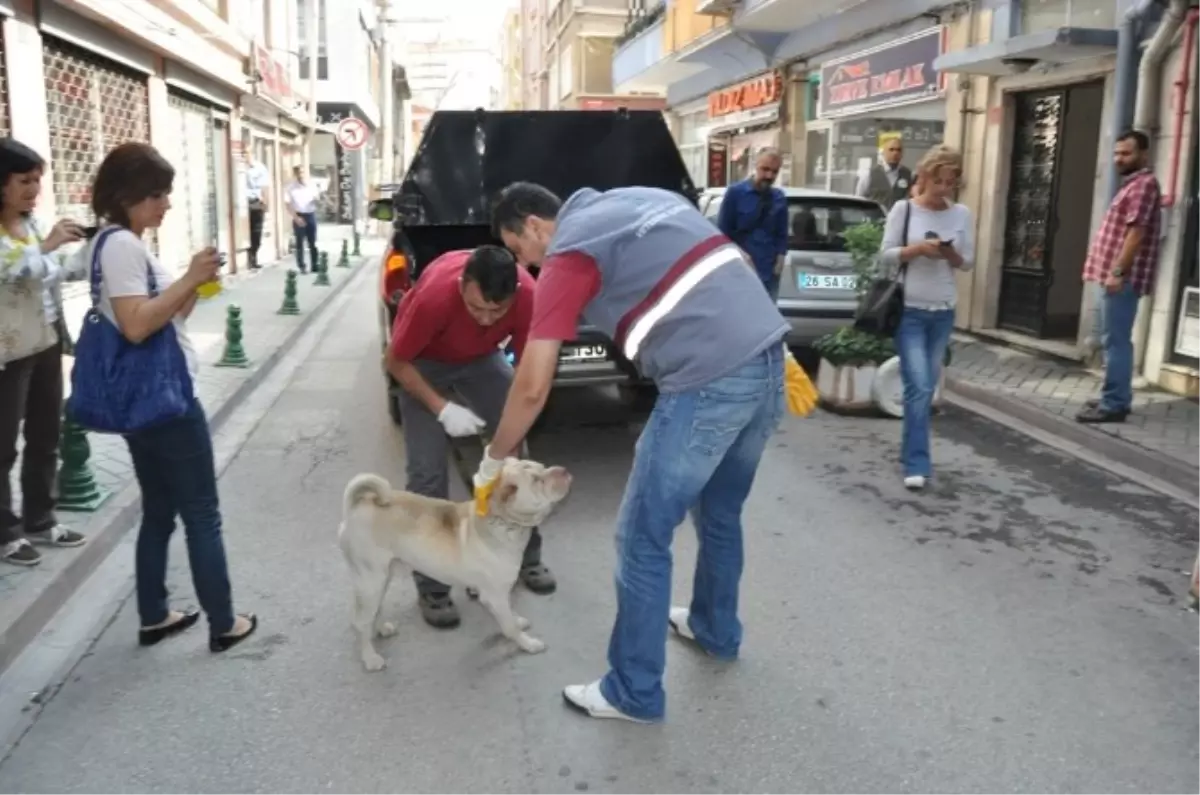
322 279
344 258
77 487
290 306
234 355
357 244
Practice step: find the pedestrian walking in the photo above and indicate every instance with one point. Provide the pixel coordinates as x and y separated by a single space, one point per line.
1120 268
302 197
258 193
173 461
754 215
445 353
32 337
926 240
888 180
647 269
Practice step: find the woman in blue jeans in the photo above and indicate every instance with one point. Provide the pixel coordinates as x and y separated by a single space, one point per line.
173 462
927 238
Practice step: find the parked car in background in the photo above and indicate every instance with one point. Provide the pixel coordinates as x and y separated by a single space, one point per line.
465 158
816 288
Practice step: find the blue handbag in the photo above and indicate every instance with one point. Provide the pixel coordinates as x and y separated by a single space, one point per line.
121 387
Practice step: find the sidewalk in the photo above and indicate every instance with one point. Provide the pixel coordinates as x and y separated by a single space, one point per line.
1160 437
29 597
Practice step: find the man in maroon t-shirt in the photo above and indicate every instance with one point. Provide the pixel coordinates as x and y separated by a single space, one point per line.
446 342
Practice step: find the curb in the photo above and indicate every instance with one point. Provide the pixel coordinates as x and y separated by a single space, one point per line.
1153 464
116 518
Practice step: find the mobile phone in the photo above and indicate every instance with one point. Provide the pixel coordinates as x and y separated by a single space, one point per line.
90 231
945 244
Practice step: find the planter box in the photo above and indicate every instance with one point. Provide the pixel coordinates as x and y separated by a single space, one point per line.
845 387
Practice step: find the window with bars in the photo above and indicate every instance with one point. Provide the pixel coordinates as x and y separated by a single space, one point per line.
93 105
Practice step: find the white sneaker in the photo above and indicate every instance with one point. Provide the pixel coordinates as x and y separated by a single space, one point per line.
678 619
914 482
589 700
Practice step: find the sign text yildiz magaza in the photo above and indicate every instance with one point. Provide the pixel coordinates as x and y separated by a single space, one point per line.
897 73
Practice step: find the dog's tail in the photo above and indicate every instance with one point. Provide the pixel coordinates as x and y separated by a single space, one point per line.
360 486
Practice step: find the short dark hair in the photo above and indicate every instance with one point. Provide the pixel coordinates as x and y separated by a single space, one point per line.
16 158
518 202
130 173
1139 138
494 269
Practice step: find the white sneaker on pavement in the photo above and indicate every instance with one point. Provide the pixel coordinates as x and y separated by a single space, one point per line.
914 482
589 700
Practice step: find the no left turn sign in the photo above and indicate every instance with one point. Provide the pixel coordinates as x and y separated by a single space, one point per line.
352 133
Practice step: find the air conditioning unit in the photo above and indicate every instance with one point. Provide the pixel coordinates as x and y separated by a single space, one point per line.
1187 333
716 8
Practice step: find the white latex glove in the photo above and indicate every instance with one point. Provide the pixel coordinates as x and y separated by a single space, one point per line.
460 421
485 480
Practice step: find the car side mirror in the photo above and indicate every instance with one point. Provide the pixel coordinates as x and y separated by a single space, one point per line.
381 210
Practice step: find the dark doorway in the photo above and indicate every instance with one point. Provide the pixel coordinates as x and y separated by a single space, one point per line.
1054 154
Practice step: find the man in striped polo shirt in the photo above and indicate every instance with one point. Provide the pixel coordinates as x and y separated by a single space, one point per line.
678 298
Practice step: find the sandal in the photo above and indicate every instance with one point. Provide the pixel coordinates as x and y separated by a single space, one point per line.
20 553
438 610
58 536
538 578
222 643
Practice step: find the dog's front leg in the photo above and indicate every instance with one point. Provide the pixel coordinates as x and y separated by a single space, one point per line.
512 625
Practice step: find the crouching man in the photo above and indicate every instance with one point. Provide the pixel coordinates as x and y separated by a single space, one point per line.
445 354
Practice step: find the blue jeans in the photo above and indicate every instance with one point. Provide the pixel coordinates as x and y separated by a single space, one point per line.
306 234
177 475
699 452
921 341
1117 314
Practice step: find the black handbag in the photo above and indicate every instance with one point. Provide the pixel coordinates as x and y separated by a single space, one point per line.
882 304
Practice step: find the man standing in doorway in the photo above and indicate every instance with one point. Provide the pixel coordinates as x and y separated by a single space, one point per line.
1121 264
887 181
302 204
446 341
754 215
258 186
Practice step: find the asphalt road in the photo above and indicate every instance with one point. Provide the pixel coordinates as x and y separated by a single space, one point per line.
1019 628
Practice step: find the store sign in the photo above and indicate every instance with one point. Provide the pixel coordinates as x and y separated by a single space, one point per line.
272 77
763 90
718 164
897 73
345 185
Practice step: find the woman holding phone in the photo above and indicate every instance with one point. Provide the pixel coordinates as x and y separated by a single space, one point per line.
173 461
32 336
928 238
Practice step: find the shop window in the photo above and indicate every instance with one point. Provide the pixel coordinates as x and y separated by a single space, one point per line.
1038 15
596 65
92 106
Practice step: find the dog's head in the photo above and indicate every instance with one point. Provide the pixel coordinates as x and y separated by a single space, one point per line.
527 492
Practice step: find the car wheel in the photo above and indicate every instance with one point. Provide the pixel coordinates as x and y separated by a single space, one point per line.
393 402
638 397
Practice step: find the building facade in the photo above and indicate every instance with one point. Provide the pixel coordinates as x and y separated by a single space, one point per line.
511 62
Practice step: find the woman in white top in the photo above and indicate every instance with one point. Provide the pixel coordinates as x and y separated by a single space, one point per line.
32 336
173 461
932 238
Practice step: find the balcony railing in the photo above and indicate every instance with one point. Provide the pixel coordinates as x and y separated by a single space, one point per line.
642 15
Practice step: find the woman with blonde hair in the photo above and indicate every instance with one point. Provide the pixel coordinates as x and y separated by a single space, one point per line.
928 238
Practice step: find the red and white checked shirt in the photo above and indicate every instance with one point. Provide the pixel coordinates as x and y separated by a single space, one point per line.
1136 204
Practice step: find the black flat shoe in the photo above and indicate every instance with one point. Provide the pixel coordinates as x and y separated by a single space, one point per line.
227 642
148 637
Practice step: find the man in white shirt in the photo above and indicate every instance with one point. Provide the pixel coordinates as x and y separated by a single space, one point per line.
258 185
302 204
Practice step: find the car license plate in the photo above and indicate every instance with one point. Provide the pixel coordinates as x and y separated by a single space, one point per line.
583 353
822 281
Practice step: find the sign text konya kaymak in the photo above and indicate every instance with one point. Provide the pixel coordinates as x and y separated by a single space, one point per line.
897 73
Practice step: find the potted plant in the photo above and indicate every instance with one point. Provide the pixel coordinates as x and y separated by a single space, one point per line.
849 357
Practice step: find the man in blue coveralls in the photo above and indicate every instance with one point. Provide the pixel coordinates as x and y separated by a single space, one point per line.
754 216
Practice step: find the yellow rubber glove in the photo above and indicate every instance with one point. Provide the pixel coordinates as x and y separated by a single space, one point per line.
486 479
798 388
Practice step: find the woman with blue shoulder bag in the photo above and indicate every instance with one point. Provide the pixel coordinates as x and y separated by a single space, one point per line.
32 339
134 375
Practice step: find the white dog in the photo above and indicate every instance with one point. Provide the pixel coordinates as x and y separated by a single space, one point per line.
446 541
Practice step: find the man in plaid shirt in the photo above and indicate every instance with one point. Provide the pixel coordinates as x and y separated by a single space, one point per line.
1121 264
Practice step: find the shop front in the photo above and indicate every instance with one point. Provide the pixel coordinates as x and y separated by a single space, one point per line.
341 172
869 97
743 120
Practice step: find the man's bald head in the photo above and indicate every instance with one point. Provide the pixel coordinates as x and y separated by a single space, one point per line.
766 168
